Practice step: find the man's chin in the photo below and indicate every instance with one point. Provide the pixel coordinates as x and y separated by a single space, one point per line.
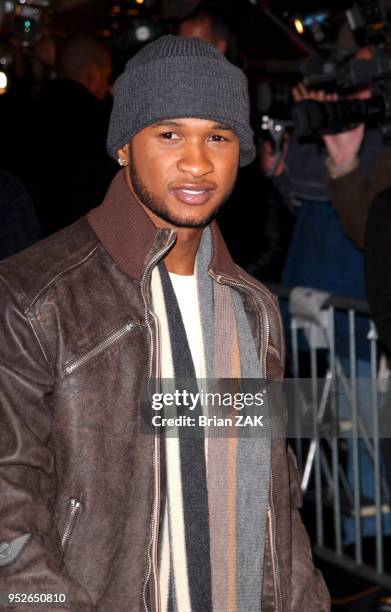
193 223
186 221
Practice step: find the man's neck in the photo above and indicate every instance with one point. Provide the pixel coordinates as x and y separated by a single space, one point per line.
181 258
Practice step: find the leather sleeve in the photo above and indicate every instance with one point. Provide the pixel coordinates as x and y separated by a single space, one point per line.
30 550
309 591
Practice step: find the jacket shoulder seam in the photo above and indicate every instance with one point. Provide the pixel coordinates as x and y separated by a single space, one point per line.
69 267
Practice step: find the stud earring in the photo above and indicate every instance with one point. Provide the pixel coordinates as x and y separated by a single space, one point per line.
121 161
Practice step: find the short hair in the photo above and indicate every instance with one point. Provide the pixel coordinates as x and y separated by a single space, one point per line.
218 26
79 53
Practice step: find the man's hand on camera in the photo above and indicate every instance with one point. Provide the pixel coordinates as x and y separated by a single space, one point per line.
301 92
342 148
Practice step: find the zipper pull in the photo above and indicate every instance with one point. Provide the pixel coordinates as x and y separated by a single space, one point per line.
73 507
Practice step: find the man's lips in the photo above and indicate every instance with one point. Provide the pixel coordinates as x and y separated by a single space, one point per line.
193 194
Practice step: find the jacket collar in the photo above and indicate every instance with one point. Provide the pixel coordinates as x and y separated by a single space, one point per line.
129 235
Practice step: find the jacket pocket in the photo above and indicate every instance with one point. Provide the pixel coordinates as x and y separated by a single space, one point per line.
114 337
73 511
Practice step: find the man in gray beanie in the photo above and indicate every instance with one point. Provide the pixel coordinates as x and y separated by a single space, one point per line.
113 499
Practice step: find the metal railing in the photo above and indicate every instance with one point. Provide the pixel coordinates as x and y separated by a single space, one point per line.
340 429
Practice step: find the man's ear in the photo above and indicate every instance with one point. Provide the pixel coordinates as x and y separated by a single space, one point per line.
123 156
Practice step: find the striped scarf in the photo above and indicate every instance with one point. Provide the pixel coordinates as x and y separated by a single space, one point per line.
214 516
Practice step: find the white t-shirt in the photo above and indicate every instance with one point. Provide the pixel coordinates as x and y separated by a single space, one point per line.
185 288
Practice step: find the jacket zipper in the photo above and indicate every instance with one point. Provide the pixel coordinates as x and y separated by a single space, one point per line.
273 549
151 558
100 347
270 511
265 344
74 505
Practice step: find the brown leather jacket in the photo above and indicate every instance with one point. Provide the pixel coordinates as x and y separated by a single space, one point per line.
77 477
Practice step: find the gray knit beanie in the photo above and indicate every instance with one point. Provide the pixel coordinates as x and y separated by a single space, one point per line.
175 77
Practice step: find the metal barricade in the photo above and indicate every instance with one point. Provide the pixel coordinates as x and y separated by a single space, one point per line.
335 491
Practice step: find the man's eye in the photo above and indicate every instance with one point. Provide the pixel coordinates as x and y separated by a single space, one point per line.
169 136
218 138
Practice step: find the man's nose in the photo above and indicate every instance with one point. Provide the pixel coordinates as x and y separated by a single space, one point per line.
195 160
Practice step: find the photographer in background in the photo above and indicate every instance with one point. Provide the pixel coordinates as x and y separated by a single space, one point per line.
351 187
321 255
362 200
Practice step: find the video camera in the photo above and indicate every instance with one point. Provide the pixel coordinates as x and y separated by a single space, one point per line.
312 119
339 72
